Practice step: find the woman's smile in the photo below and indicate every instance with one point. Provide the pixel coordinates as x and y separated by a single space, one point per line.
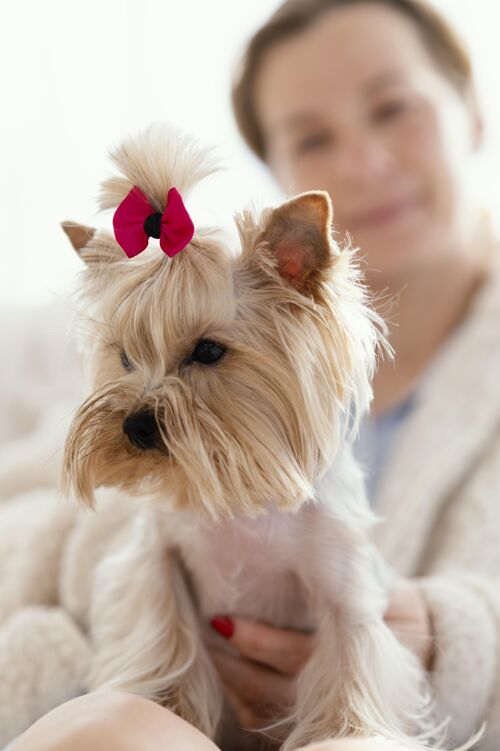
385 213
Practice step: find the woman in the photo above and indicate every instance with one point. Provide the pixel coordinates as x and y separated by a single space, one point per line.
373 101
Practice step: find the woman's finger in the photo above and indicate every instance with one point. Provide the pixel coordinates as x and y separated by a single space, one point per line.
246 715
262 689
284 650
248 719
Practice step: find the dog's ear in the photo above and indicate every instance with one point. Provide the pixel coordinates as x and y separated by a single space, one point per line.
79 234
299 236
90 247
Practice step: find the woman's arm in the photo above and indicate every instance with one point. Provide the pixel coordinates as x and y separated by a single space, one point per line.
465 679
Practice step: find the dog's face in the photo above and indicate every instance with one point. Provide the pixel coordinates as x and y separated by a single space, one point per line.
223 382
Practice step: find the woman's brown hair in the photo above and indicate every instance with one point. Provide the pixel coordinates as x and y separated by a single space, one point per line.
295 16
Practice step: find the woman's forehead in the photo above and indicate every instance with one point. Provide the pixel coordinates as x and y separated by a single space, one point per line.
348 51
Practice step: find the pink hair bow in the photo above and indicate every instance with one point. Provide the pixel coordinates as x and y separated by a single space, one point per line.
135 221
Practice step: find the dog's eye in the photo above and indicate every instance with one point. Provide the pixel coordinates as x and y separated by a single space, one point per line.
127 365
207 352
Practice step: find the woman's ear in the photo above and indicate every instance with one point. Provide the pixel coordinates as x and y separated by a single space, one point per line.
298 235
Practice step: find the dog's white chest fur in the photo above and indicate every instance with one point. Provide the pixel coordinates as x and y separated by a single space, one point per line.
247 567
266 567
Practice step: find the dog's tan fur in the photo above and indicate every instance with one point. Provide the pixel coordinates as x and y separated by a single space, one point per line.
252 503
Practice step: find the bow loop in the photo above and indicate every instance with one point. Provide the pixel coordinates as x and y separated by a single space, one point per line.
135 221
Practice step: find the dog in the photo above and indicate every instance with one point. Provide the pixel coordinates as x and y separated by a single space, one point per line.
227 388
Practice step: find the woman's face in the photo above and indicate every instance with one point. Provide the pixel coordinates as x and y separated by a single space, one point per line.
356 106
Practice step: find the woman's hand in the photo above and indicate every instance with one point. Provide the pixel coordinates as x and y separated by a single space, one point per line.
260 681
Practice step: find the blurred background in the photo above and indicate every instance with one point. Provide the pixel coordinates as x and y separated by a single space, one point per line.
77 77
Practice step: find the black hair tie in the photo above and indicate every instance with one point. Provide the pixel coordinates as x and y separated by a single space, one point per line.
152 225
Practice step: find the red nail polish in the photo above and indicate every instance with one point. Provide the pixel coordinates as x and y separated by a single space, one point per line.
224 626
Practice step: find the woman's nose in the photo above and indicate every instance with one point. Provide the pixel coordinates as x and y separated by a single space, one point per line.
363 159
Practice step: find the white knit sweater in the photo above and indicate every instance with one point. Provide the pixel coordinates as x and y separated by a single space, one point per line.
440 500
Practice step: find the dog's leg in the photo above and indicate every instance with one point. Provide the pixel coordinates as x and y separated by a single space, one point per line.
360 681
146 632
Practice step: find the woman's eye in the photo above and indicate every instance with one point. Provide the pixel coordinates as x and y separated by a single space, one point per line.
126 364
207 352
310 143
389 110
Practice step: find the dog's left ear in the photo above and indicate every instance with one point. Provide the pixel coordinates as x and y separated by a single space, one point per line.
92 248
299 236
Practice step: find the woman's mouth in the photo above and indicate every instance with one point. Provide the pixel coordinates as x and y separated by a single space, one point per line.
384 213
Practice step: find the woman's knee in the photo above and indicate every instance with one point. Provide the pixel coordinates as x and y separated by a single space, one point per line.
111 721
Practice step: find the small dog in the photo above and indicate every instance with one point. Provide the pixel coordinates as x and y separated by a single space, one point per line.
227 390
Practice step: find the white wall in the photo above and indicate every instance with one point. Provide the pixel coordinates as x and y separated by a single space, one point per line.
77 76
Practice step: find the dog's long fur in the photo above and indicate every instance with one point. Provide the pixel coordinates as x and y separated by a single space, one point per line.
252 503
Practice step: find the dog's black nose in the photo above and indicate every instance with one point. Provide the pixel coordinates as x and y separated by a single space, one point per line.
141 430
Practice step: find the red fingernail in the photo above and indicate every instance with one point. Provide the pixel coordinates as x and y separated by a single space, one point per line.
224 626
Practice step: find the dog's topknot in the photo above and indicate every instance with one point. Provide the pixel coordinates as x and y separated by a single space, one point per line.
157 159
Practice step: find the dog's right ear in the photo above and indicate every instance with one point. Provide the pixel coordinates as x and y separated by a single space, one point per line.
91 248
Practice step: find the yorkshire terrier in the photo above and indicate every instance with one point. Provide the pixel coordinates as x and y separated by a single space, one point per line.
227 389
